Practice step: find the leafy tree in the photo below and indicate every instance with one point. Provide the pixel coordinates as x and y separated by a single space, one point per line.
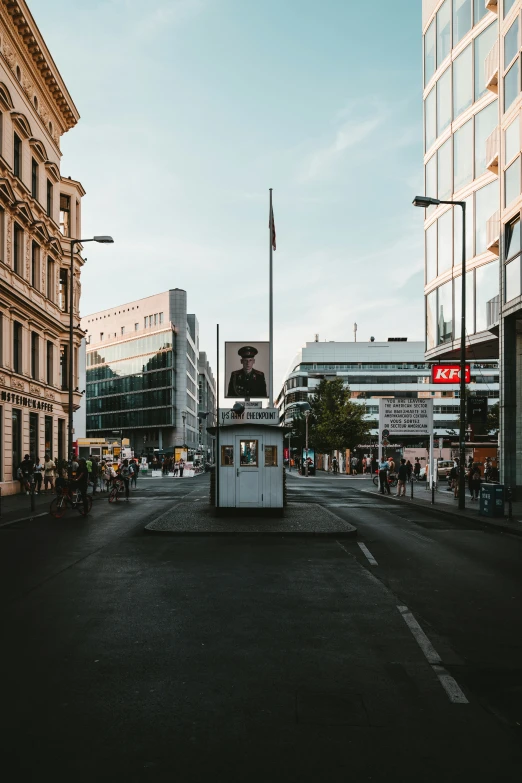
335 421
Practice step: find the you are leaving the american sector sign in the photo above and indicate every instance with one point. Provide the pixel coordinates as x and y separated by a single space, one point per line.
406 417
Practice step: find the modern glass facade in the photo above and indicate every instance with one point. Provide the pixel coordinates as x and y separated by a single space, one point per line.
462 115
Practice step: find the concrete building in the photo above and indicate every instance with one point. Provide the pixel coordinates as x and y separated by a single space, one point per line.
39 214
142 373
206 404
472 103
381 369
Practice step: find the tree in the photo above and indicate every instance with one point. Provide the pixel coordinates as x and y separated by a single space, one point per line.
335 421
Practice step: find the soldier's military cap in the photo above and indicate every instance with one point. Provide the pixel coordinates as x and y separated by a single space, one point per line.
247 352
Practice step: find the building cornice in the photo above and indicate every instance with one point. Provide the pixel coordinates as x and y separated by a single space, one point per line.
24 31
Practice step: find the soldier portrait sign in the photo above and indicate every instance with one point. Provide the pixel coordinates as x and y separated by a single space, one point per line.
246 370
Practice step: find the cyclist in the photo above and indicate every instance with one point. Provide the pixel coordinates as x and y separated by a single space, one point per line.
125 475
135 468
26 473
82 480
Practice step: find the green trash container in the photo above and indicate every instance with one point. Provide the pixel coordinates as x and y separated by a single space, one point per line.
492 500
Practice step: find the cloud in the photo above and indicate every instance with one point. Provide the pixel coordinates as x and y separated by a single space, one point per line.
351 133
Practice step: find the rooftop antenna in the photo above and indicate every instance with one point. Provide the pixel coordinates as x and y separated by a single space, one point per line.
355 332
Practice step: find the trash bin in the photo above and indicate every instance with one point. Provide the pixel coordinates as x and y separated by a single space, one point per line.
492 500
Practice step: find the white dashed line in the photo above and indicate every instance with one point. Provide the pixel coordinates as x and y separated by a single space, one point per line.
364 549
450 685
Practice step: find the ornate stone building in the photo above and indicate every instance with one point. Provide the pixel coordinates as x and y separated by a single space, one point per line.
39 214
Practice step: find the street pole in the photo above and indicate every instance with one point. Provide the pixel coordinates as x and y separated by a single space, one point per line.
462 433
307 414
71 348
217 460
289 452
271 312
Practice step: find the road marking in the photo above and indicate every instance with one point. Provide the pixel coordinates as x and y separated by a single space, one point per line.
368 554
24 519
453 692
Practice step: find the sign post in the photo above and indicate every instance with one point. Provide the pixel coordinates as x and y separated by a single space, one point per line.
408 417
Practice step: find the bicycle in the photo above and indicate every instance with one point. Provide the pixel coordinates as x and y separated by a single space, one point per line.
392 480
72 497
118 489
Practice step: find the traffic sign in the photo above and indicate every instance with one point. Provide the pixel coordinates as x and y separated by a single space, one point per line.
385 433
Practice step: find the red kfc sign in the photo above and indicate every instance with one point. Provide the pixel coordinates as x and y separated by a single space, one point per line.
448 373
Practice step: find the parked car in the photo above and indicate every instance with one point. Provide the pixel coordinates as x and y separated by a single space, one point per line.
444 467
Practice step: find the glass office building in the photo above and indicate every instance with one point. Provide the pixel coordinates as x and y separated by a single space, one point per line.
472 103
142 373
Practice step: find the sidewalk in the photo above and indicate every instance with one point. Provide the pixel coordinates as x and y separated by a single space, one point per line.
15 508
446 503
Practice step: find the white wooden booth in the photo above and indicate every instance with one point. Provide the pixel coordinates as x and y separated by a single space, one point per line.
251 469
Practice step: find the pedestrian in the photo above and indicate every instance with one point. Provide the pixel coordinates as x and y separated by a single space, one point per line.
417 468
181 467
391 464
38 475
135 473
334 465
475 481
176 469
95 470
402 478
26 473
452 477
82 480
383 477
125 474
49 469
364 465
73 467
354 462
409 469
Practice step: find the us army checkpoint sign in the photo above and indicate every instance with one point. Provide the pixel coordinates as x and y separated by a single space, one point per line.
406 417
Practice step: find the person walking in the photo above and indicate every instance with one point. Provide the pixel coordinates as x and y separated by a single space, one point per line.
26 473
181 467
49 469
354 462
95 470
82 480
135 467
363 465
383 477
475 481
409 469
38 475
334 465
417 468
125 475
402 478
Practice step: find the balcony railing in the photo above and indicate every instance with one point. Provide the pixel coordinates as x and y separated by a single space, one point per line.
493 233
491 69
492 150
493 311
492 5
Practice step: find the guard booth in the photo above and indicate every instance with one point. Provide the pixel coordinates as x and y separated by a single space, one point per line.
250 464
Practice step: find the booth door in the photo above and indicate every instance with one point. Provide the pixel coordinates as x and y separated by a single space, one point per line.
248 473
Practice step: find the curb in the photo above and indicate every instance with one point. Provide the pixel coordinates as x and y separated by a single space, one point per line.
437 510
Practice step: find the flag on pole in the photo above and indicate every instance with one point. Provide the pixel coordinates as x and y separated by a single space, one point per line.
271 226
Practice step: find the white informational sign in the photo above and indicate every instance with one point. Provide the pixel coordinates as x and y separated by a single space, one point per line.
406 417
249 416
247 370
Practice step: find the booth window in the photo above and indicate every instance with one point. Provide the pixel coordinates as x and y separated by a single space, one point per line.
248 453
270 456
227 456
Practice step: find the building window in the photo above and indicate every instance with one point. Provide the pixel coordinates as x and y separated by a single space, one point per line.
64 290
429 53
18 249
443 32
64 375
444 101
512 182
461 19
35 356
512 269
430 118
463 156
445 313
486 290
227 456
486 204
248 453
508 5
270 456
35 265
49 375
511 45
431 320
50 279
17 347
136 327
34 178
512 279
65 215
49 198
49 436
444 171
485 122
462 82
511 85
17 155
431 252
33 435
480 10
16 430
445 242
483 44
2 234
161 318
123 330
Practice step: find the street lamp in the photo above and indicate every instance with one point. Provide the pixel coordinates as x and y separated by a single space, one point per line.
424 202
104 240
184 417
307 416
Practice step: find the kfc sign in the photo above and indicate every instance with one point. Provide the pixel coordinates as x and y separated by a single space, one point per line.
448 373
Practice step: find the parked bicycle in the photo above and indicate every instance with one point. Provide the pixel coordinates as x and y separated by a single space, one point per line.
69 496
392 480
117 490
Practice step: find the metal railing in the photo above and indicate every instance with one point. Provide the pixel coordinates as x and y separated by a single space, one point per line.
491 65
493 311
493 233
492 150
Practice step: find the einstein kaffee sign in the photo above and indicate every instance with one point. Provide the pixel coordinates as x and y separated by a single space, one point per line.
406 417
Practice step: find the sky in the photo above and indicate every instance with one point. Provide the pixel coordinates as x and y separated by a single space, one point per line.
192 109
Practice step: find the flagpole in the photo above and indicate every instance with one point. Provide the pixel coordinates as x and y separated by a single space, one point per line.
271 312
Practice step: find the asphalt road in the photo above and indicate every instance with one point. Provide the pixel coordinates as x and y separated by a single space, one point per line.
132 657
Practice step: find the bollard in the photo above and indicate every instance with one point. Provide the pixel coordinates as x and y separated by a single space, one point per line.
509 497
411 482
32 497
0 501
432 492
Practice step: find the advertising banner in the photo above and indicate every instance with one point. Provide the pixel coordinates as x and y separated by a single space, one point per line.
406 417
448 373
247 369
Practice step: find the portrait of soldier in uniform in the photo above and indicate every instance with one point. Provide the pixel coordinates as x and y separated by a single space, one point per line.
247 382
